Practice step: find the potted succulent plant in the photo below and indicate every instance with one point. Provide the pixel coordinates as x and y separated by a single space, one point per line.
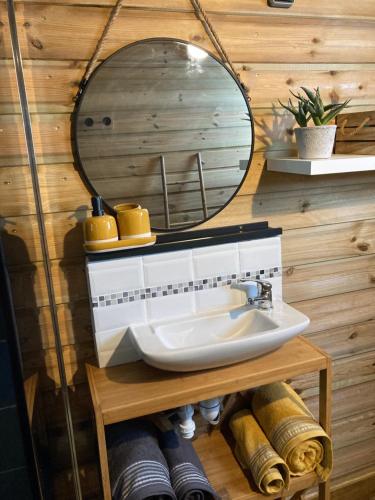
317 141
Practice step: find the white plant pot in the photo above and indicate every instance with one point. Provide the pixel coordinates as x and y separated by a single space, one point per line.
315 142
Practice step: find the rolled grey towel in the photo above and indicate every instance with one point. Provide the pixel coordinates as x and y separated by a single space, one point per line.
188 478
137 467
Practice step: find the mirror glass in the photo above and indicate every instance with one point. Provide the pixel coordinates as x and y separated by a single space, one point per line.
165 124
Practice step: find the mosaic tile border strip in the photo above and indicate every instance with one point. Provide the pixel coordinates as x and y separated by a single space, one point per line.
117 298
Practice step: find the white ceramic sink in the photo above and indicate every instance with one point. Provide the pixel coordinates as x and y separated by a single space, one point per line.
216 339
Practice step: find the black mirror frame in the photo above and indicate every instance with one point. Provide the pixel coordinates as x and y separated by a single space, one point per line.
74 124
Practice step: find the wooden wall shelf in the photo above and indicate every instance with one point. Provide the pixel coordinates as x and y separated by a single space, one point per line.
337 164
122 392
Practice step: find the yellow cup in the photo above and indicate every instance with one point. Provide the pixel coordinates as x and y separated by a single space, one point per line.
134 223
126 206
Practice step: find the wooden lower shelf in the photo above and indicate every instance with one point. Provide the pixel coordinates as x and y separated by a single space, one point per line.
227 477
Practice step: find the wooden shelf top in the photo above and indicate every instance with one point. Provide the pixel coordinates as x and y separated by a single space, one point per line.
135 389
227 477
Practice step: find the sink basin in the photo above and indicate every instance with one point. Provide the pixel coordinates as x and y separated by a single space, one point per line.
219 338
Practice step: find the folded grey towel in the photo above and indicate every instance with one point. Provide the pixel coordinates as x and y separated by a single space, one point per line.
137 467
188 478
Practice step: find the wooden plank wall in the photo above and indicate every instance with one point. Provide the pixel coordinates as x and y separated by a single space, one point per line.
328 222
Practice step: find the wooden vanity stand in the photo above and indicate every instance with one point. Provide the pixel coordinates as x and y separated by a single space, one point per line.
133 390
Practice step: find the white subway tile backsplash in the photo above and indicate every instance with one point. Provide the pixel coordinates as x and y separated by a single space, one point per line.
216 260
125 274
171 267
117 316
277 288
260 254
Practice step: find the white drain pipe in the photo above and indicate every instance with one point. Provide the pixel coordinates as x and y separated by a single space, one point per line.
186 424
210 410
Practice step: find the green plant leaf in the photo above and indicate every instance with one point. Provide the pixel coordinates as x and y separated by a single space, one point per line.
331 106
334 112
298 96
306 106
310 94
312 107
292 105
315 116
302 121
317 121
292 110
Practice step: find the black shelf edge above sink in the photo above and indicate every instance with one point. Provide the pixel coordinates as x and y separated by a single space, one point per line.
182 240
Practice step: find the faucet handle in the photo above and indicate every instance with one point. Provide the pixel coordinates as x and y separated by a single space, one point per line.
257 291
265 286
250 287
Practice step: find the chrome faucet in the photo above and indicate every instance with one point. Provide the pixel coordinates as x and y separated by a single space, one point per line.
258 293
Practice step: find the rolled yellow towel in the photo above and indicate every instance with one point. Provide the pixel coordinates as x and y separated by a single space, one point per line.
255 453
292 430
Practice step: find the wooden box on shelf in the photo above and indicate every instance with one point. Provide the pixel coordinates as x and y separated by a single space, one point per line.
356 133
133 390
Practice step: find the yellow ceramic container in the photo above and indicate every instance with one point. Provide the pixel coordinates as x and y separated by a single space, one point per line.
134 223
100 229
126 206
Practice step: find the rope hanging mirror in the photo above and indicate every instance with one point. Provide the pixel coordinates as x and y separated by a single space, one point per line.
164 124
201 15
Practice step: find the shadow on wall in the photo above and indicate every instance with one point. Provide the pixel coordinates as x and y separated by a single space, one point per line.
75 320
275 134
280 195
75 305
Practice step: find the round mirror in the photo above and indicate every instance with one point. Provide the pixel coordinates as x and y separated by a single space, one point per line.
165 124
